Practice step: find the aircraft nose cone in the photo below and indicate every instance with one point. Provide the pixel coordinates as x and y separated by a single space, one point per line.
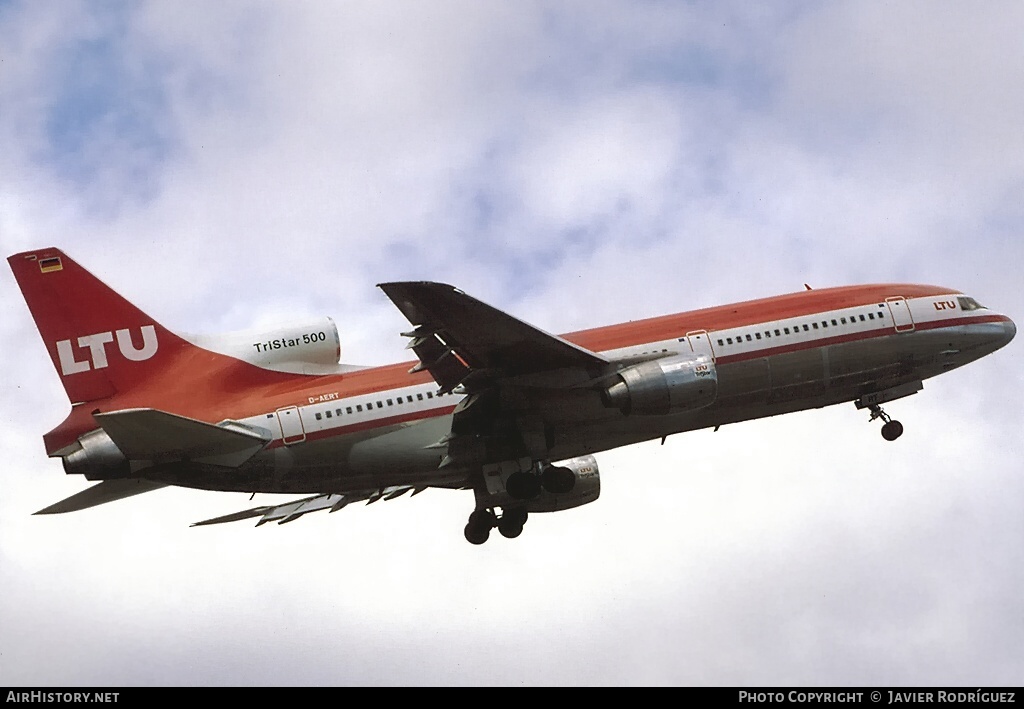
1009 330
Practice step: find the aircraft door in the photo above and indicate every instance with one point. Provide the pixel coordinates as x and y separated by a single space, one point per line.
290 421
700 343
900 311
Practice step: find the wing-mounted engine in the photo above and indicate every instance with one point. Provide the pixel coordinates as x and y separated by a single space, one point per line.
540 486
519 487
310 347
664 386
585 486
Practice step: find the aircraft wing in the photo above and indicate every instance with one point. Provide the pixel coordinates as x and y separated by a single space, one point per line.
461 340
291 511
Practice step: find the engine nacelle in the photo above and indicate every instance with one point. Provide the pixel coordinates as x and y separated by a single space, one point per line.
665 386
585 485
586 489
97 458
313 342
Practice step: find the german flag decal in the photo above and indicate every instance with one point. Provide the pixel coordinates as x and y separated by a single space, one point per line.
48 265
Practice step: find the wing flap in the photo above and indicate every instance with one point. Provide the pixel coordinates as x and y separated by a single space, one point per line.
151 434
291 511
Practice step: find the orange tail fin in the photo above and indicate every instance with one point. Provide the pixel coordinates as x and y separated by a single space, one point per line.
100 343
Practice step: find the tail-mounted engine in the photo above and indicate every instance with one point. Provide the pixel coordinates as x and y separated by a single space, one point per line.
287 348
97 458
664 386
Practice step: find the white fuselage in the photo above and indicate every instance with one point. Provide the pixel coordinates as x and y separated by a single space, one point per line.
333 443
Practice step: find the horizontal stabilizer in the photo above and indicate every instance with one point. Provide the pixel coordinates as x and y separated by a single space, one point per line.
291 511
106 491
150 434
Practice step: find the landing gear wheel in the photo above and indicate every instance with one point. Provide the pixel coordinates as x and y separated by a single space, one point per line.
511 523
892 430
478 529
476 535
509 530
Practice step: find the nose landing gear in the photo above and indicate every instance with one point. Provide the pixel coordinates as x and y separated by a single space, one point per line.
891 429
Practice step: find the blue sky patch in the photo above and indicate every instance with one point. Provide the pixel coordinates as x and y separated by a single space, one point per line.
108 100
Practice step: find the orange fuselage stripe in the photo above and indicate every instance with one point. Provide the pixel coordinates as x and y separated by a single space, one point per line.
240 392
213 387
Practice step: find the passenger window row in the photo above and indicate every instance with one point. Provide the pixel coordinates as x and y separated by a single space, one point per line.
379 403
807 327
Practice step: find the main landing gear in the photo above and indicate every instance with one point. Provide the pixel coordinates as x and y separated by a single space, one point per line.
481 522
515 486
891 429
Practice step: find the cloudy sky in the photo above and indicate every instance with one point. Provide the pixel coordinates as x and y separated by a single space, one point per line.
232 164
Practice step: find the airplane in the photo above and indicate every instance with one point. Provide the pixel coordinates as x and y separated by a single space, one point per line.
492 404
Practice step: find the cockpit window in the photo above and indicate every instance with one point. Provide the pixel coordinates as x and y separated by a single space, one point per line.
970 304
